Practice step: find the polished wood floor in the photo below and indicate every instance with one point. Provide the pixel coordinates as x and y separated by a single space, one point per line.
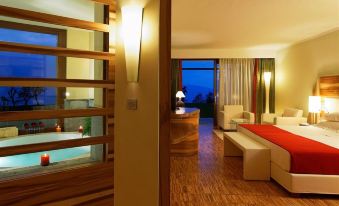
212 180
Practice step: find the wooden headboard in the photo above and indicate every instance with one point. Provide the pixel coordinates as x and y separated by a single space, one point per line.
329 86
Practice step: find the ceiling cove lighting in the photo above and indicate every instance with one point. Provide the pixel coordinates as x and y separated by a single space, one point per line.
132 17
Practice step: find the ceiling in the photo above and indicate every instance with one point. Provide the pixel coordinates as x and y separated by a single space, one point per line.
259 24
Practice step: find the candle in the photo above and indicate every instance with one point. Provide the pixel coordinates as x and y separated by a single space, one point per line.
44 160
81 129
58 129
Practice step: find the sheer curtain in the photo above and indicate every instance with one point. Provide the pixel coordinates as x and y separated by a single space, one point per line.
235 83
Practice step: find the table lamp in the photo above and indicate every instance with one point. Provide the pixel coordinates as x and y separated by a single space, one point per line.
314 107
180 95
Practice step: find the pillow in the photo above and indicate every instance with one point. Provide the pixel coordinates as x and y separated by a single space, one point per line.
332 117
328 125
290 112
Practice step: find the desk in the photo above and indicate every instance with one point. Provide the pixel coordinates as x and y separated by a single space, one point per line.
184 136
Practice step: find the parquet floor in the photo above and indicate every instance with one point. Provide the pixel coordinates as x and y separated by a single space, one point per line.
209 179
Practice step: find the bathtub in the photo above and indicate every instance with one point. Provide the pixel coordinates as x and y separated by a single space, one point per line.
38 138
32 159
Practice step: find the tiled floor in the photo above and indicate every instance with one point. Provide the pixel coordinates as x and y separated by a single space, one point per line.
210 179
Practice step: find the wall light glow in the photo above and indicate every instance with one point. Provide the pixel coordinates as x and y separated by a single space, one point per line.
131 33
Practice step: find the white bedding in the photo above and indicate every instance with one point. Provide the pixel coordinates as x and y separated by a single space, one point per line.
280 156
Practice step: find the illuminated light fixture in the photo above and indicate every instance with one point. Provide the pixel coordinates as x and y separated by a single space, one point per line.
180 95
131 30
314 107
267 79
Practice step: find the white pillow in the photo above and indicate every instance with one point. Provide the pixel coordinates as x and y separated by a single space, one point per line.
332 117
329 125
290 112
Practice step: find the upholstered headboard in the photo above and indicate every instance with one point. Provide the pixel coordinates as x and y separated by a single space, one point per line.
329 86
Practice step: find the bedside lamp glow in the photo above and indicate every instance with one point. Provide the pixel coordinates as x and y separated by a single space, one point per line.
131 31
180 95
314 104
314 107
267 79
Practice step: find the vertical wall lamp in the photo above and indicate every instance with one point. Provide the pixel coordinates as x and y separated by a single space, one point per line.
267 78
131 31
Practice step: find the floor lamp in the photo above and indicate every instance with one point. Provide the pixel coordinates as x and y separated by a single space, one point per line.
267 78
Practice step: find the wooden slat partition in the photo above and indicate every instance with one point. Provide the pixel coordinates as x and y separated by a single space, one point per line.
57 51
38 147
51 114
329 86
85 184
57 186
52 19
45 82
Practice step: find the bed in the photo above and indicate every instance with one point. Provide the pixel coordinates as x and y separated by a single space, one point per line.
294 166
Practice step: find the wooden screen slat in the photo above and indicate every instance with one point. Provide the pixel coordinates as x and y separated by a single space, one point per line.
106 2
111 3
39 189
39 82
52 19
57 51
51 114
38 147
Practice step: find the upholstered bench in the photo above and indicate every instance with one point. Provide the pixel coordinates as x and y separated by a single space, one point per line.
256 157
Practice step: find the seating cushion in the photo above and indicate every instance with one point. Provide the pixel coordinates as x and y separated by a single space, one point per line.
290 112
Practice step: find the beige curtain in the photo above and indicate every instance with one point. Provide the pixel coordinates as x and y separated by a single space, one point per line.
235 83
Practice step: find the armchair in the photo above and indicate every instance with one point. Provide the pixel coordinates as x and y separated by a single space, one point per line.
233 112
290 116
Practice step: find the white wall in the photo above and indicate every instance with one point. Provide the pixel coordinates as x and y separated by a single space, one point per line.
136 153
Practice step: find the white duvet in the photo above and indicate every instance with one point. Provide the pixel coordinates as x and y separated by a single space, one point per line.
280 156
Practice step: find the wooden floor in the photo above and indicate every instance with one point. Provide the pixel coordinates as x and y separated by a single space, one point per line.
210 179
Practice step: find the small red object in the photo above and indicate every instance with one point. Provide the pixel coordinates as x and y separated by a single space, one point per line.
44 160
81 129
26 125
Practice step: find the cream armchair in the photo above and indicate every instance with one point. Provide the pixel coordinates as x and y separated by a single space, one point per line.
233 112
290 116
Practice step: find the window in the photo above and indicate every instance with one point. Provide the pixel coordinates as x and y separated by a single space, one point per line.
198 85
23 65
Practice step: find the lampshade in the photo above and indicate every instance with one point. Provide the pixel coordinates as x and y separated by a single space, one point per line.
314 104
131 30
267 77
180 94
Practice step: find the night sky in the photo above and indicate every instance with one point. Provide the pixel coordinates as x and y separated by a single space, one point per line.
197 81
23 65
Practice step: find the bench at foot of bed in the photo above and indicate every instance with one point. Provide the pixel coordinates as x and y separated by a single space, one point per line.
256 157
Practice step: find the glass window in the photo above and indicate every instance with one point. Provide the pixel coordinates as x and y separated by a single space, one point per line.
193 64
197 85
28 37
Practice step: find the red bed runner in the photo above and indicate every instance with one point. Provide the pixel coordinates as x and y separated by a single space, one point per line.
307 156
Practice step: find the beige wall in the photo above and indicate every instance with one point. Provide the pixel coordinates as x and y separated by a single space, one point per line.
299 66
79 68
136 131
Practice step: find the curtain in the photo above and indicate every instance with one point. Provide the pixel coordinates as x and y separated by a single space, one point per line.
235 83
264 65
176 81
